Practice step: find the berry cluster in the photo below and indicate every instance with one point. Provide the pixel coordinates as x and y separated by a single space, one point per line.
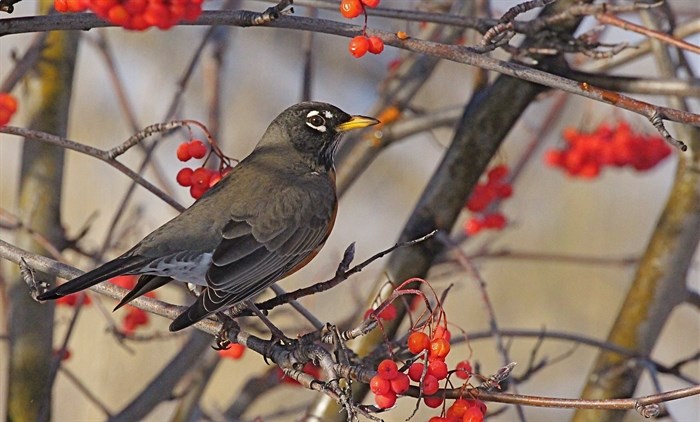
437 347
8 107
200 179
585 154
235 351
485 193
135 317
137 15
361 44
388 383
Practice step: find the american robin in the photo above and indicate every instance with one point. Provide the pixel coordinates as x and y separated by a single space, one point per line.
262 222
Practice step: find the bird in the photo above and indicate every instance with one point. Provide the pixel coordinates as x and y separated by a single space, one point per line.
262 222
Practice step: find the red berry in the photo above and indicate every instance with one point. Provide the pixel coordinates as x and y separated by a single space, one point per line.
438 419
439 348
60 6
400 384
458 408
135 6
358 46
379 385
497 173
385 401
463 370
376 45
473 226
504 190
215 178
118 15
183 152
388 313
197 149
554 158
235 351
192 11
473 414
433 402
495 221
442 332
438 369
124 281
371 3
135 318
387 369
184 177
415 371
201 177
63 354
417 342
430 385
196 191
351 8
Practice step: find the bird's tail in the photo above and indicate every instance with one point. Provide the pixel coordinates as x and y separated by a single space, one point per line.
207 303
119 266
145 284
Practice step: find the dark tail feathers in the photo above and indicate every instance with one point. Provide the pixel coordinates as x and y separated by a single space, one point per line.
119 266
145 284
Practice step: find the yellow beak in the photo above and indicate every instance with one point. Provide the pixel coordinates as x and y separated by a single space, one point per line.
356 122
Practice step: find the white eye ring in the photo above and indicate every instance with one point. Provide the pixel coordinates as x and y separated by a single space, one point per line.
315 121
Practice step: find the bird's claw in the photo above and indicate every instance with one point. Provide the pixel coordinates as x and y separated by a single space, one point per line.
222 339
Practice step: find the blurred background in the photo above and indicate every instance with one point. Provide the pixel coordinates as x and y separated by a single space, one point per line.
551 215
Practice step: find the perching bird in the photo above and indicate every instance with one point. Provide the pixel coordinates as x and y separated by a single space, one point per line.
263 221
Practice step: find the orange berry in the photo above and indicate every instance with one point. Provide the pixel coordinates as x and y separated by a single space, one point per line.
417 342
358 46
400 384
385 401
371 3
60 6
458 408
118 15
438 369
351 8
439 348
473 414
387 369
415 371
379 385
376 45
442 332
183 152
8 102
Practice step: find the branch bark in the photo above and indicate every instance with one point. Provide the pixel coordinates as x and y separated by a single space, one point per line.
659 284
30 323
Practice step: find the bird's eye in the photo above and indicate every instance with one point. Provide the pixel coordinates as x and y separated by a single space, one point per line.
317 122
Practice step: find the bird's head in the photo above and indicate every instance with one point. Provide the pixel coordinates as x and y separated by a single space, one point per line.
313 129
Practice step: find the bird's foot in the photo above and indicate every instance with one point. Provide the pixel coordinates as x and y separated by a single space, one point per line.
223 341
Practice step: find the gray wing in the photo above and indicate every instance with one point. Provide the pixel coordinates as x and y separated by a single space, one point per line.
257 250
